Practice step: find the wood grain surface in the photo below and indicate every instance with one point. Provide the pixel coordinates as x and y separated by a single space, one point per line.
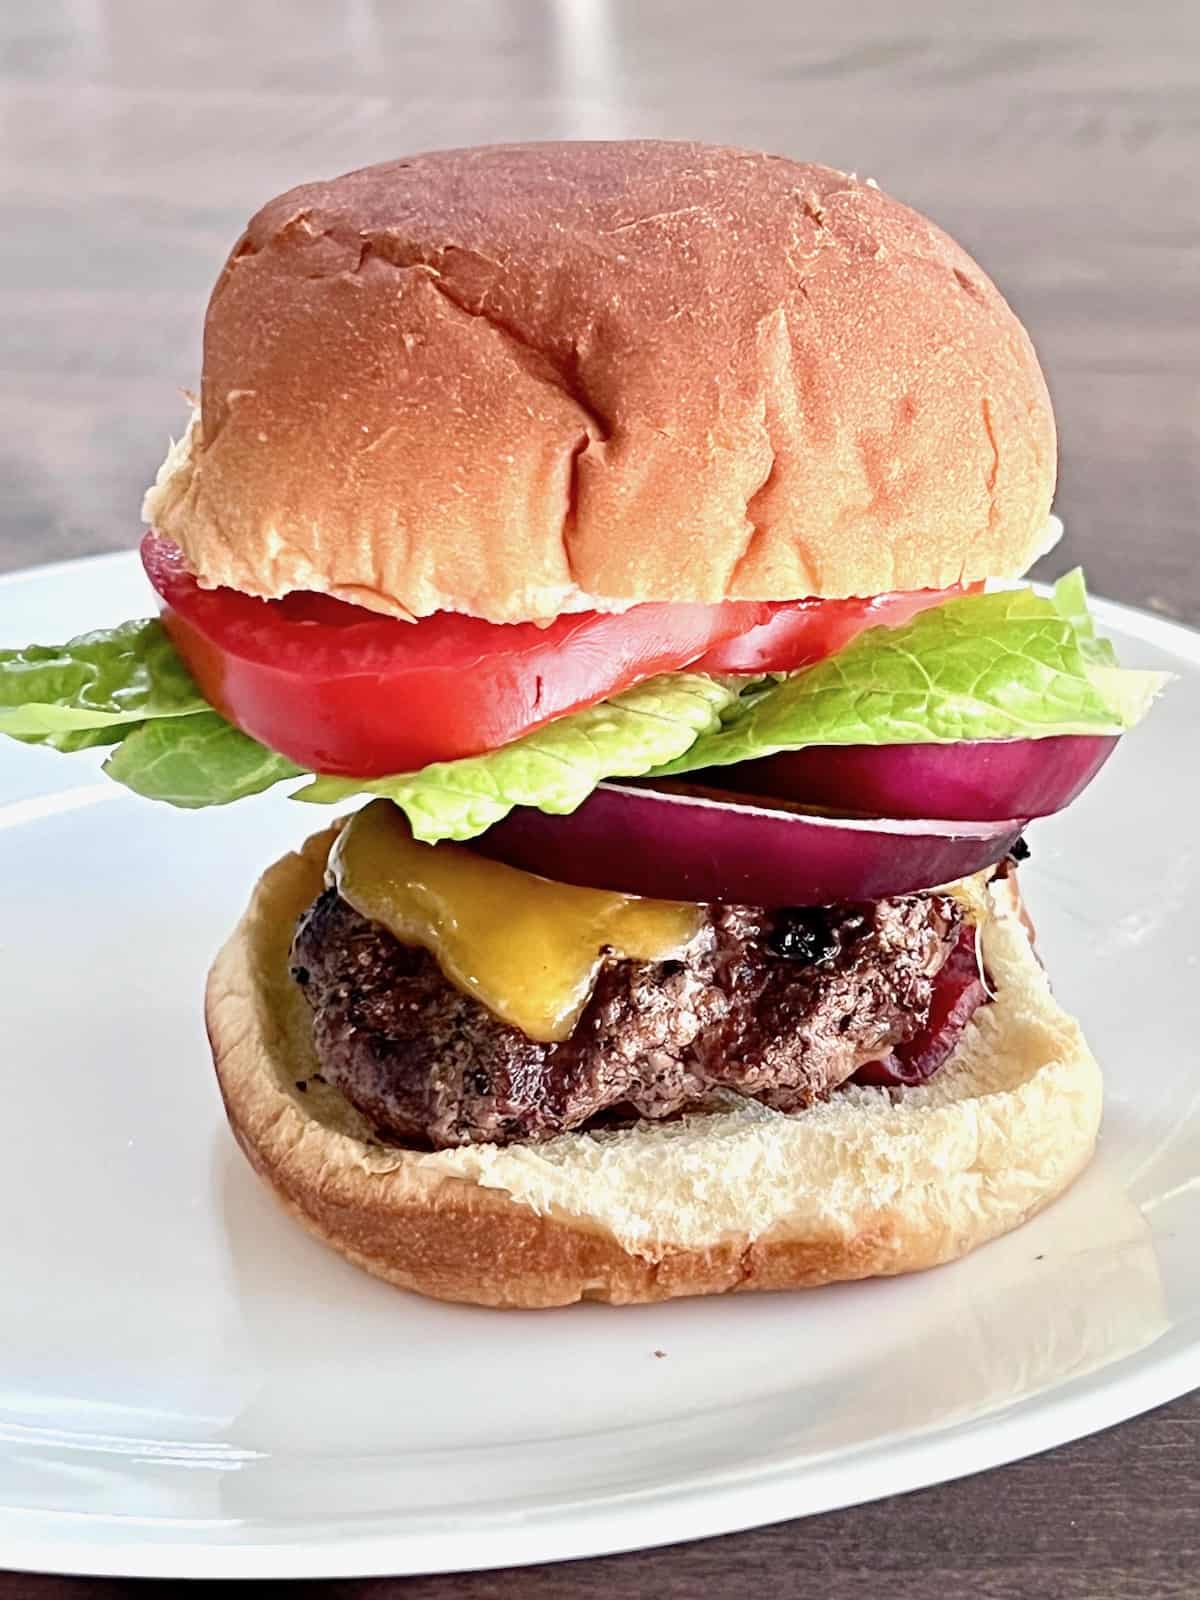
1059 141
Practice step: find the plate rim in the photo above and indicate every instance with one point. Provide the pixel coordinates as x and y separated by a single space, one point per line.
646 1519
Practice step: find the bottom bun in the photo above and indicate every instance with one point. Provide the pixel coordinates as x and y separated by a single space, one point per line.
873 1182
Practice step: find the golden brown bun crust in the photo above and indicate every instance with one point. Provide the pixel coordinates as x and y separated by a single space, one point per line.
867 1187
524 379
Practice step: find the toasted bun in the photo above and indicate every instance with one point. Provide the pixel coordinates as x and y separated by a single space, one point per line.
745 1199
536 378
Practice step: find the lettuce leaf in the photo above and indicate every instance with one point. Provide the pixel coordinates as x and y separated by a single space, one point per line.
1070 599
554 768
128 687
196 761
1009 665
92 689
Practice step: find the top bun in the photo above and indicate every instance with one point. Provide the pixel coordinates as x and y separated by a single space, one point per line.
526 379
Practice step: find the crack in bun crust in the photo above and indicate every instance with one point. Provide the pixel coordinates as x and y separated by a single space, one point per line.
738 1200
521 380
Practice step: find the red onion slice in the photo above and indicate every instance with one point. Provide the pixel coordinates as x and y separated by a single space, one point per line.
984 779
684 846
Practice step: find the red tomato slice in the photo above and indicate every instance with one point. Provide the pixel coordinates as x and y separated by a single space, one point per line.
343 690
799 632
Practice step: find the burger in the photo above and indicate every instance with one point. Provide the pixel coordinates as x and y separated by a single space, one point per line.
622 528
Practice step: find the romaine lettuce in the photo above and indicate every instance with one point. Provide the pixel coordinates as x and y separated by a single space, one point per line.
1008 665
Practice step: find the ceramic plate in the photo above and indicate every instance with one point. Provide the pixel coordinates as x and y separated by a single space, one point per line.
191 1386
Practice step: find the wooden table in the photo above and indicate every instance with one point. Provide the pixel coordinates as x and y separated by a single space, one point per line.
1059 141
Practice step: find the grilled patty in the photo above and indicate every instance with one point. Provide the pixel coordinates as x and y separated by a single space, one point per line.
781 1006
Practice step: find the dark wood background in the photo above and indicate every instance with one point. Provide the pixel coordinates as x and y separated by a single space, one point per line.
1059 140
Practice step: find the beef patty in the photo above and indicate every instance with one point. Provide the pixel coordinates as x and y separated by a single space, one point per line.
782 1006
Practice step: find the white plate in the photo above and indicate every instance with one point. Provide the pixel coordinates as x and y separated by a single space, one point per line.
190 1386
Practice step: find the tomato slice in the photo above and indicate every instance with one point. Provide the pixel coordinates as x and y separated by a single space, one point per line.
799 632
342 690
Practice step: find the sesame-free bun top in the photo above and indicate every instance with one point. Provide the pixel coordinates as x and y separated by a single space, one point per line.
525 379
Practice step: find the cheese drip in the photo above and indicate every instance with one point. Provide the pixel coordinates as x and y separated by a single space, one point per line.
527 948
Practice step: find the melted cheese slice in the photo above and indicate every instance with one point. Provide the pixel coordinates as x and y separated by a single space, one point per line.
526 948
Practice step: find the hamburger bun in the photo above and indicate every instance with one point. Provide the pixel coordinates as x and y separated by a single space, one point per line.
531 379
866 1184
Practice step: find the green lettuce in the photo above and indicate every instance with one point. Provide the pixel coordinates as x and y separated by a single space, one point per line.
554 768
989 666
92 689
1009 665
1069 598
196 761
128 687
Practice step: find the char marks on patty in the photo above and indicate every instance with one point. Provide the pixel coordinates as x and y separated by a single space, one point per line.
781 1006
